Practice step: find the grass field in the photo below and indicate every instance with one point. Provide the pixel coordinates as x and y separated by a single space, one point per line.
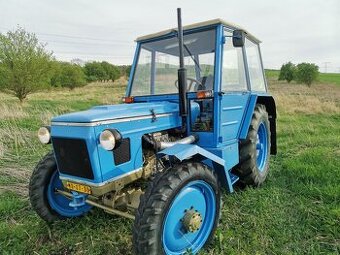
296 211
324 78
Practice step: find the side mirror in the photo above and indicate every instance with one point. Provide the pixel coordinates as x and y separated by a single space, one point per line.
238 38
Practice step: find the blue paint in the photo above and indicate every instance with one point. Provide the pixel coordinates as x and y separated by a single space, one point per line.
225 158
163 97
233 109
78 200
201 196
119 111
59 203
88 134
184 151
133 130
229 153
232 116
234 178
262 147
247 116
194 111
133 68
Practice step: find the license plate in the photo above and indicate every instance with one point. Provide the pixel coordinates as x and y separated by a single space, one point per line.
78 187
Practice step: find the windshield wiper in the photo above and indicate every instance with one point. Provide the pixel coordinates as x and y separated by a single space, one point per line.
192 57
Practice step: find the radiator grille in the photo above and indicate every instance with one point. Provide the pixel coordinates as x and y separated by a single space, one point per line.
122 154
72 157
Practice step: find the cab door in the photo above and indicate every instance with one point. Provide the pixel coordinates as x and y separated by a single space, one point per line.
234 94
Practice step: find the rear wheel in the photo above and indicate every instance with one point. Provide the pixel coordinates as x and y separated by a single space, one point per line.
178 212
255 150
49 205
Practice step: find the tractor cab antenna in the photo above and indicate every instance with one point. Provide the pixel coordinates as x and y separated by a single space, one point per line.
182 73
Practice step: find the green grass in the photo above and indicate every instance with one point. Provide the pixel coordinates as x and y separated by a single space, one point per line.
272 74
296 211
330 78
324 78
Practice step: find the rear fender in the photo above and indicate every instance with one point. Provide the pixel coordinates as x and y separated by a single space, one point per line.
269 102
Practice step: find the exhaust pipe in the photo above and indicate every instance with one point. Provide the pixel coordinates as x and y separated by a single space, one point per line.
163 145
187 140
182 73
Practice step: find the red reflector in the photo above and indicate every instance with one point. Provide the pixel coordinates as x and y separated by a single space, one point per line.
204 94
128 100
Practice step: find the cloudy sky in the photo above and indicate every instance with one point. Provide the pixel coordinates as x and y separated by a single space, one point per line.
291 30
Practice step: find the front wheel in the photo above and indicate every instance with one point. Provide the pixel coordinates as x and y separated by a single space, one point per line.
49 205
178 212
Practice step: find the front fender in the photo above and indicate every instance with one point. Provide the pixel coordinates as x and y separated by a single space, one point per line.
186 151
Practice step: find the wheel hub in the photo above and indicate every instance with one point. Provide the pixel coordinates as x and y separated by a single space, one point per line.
192 220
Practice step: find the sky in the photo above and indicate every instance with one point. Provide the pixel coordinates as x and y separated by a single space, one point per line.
290 30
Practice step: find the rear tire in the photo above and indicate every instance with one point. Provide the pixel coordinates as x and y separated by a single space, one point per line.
159 227
255 150
47 204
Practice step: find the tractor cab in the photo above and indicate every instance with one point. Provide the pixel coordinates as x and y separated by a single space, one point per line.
223 72
196 118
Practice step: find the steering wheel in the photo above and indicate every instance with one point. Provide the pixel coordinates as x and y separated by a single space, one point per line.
191 80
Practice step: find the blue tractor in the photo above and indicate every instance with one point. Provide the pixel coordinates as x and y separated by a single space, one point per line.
196 118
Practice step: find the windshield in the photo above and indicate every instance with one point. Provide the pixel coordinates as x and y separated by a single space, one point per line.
158 62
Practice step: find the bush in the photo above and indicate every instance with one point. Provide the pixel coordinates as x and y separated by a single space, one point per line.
25 65
56 73
111 71
94 71
67 75
101 71
287 72
306 73
72 76
124 70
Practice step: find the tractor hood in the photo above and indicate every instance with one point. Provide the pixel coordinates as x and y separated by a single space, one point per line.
120 111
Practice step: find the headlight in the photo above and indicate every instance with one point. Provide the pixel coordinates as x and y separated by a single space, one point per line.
44 135
109 139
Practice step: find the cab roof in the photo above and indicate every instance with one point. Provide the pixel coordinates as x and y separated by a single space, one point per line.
198 25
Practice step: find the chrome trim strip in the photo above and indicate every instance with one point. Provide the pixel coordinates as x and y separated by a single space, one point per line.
101 183
106 122
229 123
232 108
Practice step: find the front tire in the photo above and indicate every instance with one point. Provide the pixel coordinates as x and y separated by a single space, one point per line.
178 212
49 205
255 150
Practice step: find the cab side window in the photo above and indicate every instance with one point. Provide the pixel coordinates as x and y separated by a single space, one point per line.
233 72
256 76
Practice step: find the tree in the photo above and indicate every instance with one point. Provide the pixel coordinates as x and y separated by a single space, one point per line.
112 72
125 70
56 73
101 71
307 73
94 71
25 64
128 70
287 72
71 76
67 75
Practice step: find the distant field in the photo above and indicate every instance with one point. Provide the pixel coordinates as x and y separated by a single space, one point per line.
296 211
328 78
